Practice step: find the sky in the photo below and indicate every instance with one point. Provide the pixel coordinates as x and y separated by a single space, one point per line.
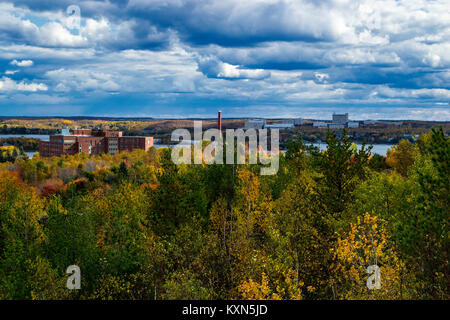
375 59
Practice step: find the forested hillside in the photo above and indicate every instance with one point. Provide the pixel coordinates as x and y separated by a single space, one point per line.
141 227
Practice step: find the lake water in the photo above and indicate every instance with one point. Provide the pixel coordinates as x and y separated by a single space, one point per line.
43 137
377 148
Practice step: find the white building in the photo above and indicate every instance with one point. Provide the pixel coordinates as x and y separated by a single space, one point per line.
279 126
255 124
335 125
298 122
353 124
320 124
340 118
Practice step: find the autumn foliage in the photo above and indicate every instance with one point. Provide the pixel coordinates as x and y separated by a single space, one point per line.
141 227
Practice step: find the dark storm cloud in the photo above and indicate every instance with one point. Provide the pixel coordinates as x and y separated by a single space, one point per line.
240 23
199 22
290 52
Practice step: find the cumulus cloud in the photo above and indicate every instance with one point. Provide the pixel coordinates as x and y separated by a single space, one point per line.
416 93
7 84
130 71
236 22
321 77
81 80
214 68
55 34
23 63
268 51
94 32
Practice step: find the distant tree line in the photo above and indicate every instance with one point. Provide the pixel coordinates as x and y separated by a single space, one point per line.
23 143
5 129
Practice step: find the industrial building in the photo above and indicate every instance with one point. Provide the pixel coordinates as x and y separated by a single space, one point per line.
353 124
261 124
339 121
320 124
340 118
255 124
91 142
335 125
283 125
298 121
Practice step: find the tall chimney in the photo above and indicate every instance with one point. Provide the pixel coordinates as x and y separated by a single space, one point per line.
219 121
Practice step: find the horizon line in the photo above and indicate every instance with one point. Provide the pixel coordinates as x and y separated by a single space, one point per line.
81 117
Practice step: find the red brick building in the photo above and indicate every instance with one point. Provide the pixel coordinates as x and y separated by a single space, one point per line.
91 142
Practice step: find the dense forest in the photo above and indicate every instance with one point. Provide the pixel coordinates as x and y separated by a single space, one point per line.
9 153
141 227
22 143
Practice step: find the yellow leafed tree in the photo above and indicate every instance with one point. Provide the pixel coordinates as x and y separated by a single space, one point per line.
288 289
367 243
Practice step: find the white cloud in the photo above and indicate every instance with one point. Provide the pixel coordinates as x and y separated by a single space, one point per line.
97 30
7 84
23 63
214 68
293 51
50 54
432 60
82 80
130 71
321 77
411 93
366 37
230 71
55 34
361 56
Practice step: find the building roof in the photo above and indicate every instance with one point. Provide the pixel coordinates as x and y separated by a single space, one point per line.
280 125
257 120
64 132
